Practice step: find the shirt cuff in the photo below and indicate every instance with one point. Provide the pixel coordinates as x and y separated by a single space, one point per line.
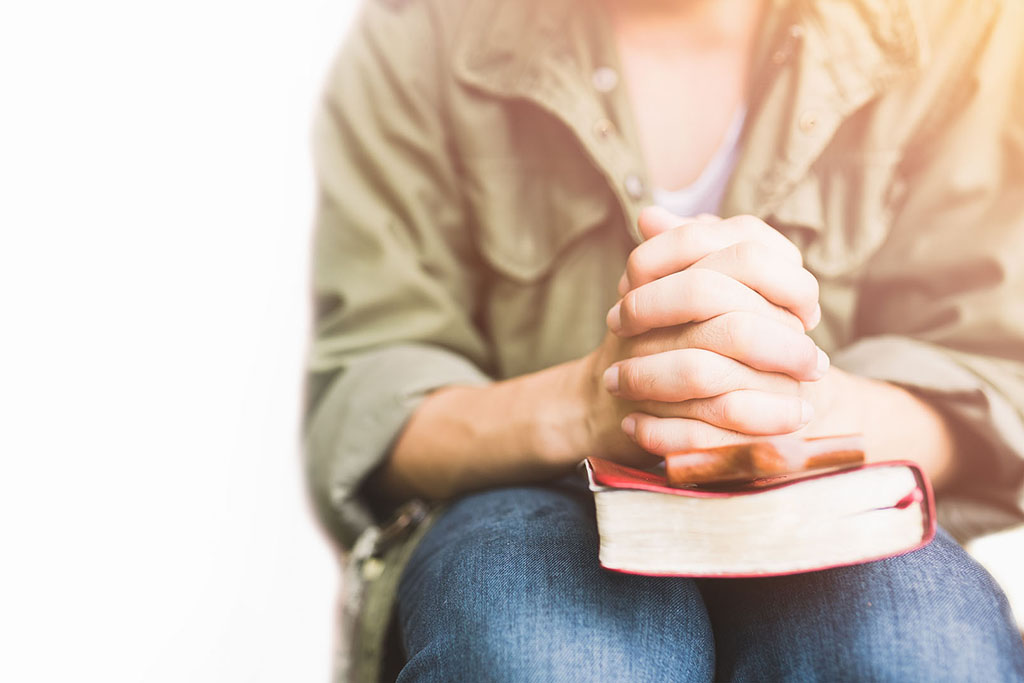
359 417
974 393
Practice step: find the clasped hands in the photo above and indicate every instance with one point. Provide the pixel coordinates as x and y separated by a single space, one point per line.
707 345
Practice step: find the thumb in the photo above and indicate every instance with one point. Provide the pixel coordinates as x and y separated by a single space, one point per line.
655 220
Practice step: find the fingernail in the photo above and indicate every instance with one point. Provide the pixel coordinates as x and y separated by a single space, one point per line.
614 318
823 363
623 285
629 426
815 318
806 413
611 379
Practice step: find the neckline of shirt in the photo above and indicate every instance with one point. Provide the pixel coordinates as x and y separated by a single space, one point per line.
714 175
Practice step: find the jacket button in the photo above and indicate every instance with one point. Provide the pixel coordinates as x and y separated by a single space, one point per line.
808 121
634 186
603 128
780 56
604 79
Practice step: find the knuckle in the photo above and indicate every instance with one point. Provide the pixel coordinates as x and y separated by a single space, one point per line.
731 410
705 435
650 436
627 378
790 414
761 232
788 247
701 379
686 233
787 319
787 385
807 352
748 252
738 333
811 284
700 281
689 242
636 266
748 221
793 249
682 239
647 383
728 377
635 380
629 311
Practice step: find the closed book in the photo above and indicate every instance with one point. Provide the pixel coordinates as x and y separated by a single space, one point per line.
786 524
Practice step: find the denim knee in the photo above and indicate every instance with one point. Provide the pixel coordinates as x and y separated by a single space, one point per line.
506 587
953 621
934 614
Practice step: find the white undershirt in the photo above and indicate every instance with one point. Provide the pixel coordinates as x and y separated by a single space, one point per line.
704 195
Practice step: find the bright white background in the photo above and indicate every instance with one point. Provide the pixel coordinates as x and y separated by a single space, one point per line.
156 201
156 198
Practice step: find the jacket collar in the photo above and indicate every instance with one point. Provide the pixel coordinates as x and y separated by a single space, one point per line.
508 46
545 52
819 59
817 62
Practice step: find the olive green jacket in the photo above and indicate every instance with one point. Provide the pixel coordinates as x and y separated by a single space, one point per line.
480 179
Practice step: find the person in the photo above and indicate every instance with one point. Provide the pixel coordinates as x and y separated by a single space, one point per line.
551 229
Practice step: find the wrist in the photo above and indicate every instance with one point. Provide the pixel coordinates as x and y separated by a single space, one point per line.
562 435
896 423
838 404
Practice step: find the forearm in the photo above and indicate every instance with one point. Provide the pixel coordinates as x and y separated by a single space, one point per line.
529 428
539 425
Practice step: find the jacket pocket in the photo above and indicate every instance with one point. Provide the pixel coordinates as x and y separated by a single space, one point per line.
841 214
528 214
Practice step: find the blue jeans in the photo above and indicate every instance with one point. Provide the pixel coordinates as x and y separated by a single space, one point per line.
506 587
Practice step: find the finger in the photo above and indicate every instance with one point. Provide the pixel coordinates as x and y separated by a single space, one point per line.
684 374
688 240
752 228
692 295
777 279
748 411
671 251
654 220
752 339
662 436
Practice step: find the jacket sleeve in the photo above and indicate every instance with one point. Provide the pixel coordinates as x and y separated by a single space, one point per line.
395 279
941 309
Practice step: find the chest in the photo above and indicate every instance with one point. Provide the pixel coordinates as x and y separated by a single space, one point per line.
682 108
555 176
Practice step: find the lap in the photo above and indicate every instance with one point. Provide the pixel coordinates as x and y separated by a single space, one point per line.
506 586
